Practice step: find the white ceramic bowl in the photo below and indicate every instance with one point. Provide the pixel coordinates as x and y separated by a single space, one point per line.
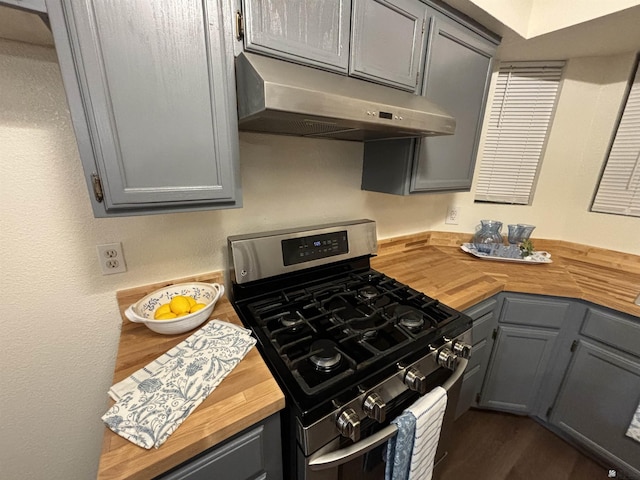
143 310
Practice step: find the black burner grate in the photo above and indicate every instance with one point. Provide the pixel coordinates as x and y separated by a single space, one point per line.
330 330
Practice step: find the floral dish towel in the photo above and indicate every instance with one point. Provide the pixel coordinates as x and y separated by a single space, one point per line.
155 400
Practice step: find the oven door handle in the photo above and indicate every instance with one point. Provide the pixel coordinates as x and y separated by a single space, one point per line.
323 461
457 373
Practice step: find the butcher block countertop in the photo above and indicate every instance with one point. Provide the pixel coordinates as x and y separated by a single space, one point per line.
246 396
431 262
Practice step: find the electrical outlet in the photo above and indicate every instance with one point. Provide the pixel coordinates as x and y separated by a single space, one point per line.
453 213
111 258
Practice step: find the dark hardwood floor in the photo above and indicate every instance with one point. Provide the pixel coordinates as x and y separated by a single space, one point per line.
499 446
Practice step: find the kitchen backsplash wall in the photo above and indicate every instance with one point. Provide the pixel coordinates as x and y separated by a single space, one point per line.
61 321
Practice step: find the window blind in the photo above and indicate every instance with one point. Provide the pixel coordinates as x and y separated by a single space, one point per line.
523 104
619 188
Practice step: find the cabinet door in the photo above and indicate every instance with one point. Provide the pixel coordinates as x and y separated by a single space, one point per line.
596 402
518 365
457 75
314 33
484 322
152 102
388 42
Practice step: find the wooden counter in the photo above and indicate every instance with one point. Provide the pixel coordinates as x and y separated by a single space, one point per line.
430 262
246 396
434 263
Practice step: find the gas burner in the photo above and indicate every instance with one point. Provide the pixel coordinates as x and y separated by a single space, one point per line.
368 292
409 317
328 357
288 319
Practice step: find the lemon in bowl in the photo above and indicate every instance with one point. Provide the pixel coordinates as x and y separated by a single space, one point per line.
177 308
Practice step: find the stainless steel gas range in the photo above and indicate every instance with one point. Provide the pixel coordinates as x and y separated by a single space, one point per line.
350 347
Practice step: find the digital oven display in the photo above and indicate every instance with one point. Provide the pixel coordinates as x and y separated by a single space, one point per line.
314 247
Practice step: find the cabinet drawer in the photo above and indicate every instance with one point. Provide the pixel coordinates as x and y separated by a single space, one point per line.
534 311
614 330
482 328
481 309
240 459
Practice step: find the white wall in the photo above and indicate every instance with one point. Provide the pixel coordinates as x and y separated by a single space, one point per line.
60 319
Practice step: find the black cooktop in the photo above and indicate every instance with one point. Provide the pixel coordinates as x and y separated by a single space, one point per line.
325 336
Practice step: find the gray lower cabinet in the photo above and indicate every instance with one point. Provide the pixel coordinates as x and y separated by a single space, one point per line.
312 33
484 322
152 99
518 366
573 365
601 389
253 454
525 352
388 42
456 77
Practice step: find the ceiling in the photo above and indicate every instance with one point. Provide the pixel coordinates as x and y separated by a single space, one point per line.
24 27
609 34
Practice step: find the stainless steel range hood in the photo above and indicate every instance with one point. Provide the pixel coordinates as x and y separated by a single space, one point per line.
281 97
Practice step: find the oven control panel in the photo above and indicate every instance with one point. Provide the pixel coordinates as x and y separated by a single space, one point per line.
260 256
314 247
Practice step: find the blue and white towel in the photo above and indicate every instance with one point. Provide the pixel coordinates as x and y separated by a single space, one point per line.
400 446
634 427
155 400
411 455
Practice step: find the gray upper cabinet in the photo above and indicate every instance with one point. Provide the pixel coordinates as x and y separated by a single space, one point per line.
457 75
382 41
388 42
458 72
151 93
312 33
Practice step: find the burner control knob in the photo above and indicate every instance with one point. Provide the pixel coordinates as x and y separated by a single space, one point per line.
416 381
348 424
375 408
447 359
462 349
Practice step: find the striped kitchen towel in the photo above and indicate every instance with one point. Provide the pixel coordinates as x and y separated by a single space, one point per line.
411 453
429 413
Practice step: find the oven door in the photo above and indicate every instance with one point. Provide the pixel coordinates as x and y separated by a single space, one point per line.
365 459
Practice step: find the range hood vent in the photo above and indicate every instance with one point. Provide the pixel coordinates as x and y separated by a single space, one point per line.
284 98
